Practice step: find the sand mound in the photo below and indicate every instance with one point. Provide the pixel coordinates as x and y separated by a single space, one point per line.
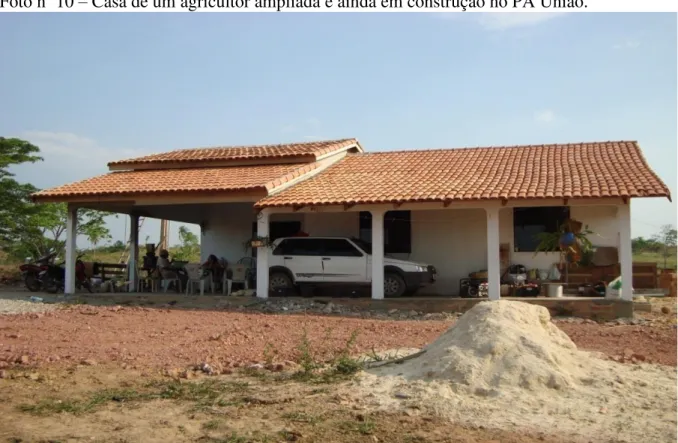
502 344
504 364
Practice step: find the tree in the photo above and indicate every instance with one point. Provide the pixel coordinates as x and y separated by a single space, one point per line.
189 248
667 238
15 202
30 230
43 230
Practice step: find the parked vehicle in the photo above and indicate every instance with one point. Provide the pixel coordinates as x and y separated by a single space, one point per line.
295 261
53 277
30 271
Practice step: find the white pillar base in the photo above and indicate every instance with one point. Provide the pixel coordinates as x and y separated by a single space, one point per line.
493 259
625 252
262 255
133 254
71 243
378 255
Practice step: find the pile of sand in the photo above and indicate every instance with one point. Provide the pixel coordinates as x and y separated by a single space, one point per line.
504 364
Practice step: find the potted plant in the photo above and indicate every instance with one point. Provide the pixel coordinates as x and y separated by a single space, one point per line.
571 240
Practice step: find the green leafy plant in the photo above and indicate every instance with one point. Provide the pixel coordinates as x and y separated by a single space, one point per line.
550 242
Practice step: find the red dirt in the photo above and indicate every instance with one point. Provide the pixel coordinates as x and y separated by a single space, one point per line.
160 338
653 344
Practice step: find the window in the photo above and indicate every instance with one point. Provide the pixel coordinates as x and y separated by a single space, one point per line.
528 222
397 231
309 247
337 247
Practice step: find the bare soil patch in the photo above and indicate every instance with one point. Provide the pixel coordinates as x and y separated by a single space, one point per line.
109 405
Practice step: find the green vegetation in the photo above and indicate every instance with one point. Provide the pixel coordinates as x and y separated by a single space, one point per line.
34 230
28 229
660 248
204 395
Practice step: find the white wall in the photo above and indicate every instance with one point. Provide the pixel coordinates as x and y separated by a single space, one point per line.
228 227
335 224
451 240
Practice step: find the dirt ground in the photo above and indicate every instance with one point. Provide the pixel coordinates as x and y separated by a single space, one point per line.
118 374
109 405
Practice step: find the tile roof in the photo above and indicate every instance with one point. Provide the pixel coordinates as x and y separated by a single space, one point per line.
237 178
308 150
605 169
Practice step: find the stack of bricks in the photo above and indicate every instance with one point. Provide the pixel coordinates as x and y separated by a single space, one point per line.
667 280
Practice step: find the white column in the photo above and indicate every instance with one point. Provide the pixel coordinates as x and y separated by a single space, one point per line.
378 254
262 255
71 241
133 253
625 253
493 263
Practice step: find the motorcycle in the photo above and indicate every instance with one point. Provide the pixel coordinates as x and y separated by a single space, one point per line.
30 271
53 278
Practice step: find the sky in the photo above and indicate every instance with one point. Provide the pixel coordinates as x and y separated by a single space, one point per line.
91 88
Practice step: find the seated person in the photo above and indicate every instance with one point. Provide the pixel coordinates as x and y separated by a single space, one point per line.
214 267
167 272
150 261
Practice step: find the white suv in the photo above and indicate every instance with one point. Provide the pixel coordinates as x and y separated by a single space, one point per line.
315 261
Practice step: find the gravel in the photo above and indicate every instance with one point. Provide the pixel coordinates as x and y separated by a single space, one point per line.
10 306
162 338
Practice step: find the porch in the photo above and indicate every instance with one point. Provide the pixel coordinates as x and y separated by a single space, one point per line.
452 237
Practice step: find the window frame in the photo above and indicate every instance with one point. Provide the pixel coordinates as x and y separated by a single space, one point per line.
548 222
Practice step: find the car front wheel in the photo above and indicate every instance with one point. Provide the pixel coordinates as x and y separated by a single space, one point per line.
279 281
394 285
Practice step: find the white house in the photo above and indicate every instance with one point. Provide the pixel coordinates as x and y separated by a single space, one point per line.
452 208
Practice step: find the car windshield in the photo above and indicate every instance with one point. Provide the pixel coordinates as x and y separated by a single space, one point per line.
366 247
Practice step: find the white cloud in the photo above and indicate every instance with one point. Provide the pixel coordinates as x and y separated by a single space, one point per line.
501 21
545 116
68 146
627 44
310 125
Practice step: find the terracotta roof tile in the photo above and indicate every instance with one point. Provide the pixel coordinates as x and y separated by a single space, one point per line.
237 178
310 150
603 169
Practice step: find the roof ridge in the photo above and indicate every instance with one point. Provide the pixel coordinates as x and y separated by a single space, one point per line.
471 148
260 145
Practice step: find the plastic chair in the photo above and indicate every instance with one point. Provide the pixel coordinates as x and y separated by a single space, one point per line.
195 275
151 282
240 275
165 281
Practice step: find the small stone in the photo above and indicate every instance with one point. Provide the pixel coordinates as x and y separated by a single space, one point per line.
13 336
3 374
174 373
401 395
215 337
603 410
88 362
23 359
666 310
392 311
